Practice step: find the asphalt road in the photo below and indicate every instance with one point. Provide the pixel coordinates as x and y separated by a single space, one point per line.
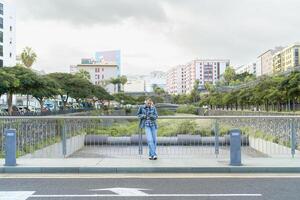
225 188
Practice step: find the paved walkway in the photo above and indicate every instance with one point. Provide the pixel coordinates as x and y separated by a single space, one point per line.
136 165
174 152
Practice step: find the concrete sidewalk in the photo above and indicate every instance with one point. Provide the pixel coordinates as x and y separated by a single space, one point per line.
143 165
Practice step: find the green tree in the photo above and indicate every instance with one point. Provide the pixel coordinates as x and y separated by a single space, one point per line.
100 94
229 75
115 82
80 89
123 81
195 95
124 99
83 74
157 90
7 81
48 88
72 86
27 80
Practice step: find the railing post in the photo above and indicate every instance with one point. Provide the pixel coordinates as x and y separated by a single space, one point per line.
62 129
140 141
293 137
216 131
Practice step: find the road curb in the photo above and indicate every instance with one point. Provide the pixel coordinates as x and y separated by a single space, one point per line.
120 170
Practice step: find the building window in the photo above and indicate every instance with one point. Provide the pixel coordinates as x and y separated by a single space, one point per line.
10 28
1 63
102 76
1 50
1 22
1 8
103 69
1 36
10 54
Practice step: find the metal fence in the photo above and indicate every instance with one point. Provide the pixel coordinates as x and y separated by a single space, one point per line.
46 113
119 136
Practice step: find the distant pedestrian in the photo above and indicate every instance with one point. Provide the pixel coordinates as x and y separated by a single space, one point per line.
148 115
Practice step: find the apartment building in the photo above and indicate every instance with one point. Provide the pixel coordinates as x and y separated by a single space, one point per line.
7 33
251 68
176 77
265 60
181 79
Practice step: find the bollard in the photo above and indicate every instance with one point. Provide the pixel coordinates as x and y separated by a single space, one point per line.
235 147
10 147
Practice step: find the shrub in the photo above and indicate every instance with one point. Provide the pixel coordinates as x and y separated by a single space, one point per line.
186 127
187 109
164 111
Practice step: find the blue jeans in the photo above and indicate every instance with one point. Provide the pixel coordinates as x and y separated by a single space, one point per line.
151 133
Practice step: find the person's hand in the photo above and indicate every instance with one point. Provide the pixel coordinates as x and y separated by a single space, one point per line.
152 117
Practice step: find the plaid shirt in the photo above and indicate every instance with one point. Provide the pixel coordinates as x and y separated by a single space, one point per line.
149 111
144 114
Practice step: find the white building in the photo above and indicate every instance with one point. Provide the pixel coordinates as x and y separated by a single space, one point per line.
7 33
100 72
209 70
7 37
252 68
181 79
134 85
146 82
157 78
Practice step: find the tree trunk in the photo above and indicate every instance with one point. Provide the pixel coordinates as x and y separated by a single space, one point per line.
9 102
41 104
64 101
27 103
294 105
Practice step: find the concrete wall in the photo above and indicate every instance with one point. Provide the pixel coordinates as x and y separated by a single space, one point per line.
270 148
56 150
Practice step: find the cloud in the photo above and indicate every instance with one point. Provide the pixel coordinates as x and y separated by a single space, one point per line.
91 12
63 31
234 29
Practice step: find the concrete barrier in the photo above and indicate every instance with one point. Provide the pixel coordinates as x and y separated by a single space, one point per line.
56 150
191 140
269 148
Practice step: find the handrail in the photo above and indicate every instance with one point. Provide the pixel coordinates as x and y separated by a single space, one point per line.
160 117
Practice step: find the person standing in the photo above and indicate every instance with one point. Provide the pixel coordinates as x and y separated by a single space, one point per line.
148 116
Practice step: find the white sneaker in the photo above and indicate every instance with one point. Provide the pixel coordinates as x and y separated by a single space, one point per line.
154 157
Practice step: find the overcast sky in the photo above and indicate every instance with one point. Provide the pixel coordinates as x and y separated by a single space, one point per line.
154 34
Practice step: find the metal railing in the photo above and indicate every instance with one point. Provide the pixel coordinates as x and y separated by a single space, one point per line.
115 136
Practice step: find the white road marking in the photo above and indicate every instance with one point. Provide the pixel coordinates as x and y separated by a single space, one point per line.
16 195
125 191
149 195
120 192
144 176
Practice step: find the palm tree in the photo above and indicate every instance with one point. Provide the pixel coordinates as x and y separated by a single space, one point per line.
28 57
123 81
115 82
